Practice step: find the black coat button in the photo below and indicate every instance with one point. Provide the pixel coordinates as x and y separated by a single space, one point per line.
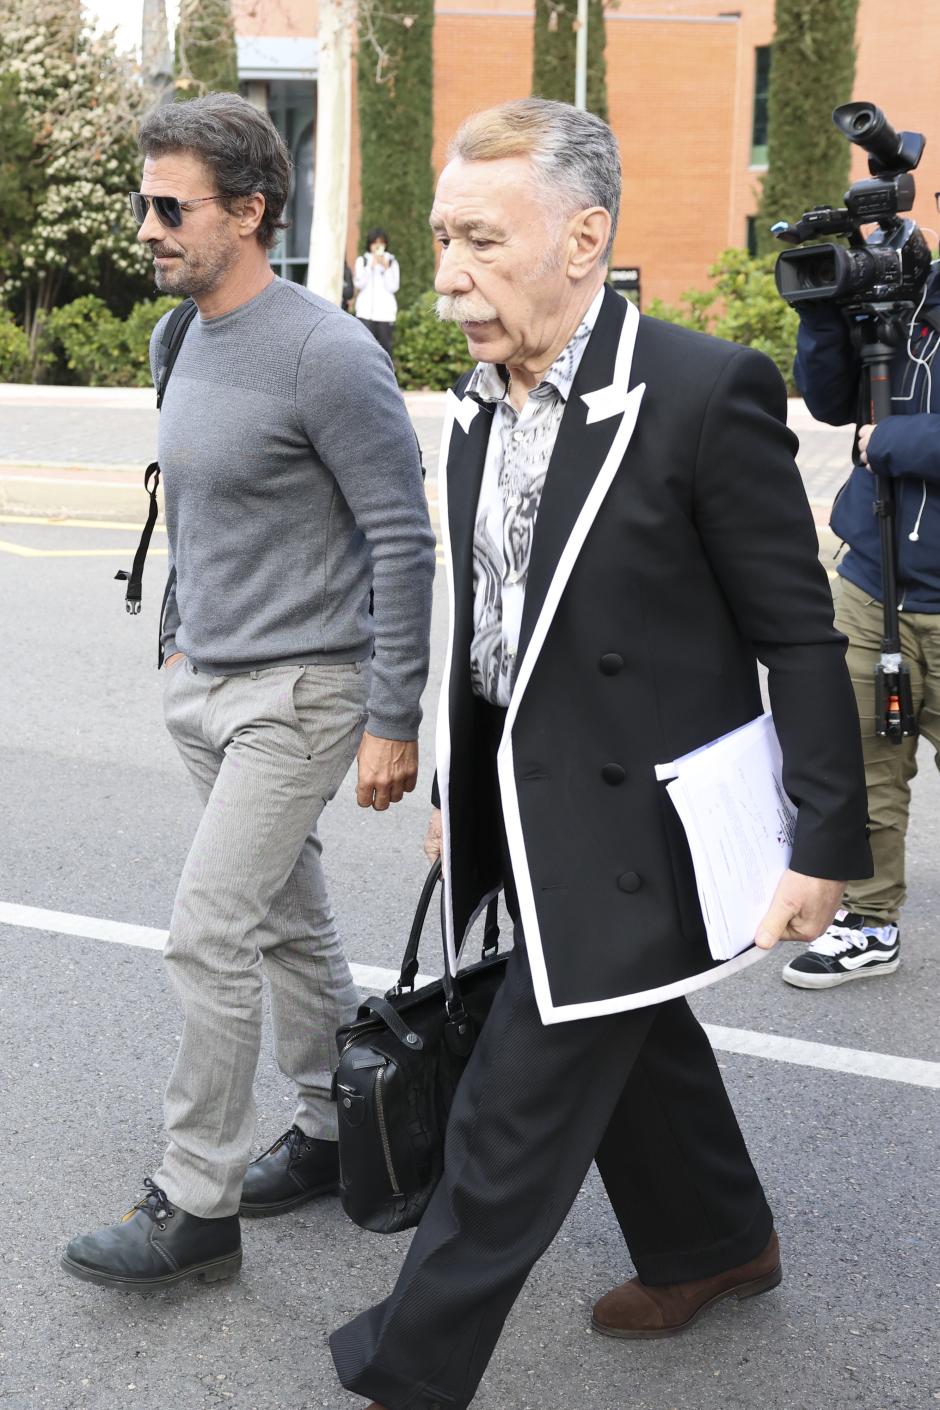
613 774
611 663
629 881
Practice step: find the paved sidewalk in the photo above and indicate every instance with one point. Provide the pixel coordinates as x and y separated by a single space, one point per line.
81 451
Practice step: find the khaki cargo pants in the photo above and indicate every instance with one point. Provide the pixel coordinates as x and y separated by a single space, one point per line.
889 768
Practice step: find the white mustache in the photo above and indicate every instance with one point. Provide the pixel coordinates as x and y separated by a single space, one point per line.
463 308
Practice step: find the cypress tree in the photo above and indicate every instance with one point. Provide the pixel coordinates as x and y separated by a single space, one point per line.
553 65
812 71
206 55
395 94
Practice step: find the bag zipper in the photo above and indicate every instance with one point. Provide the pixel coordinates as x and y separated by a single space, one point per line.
383 1131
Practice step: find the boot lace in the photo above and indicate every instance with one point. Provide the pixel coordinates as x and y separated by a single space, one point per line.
292 1139
154 1204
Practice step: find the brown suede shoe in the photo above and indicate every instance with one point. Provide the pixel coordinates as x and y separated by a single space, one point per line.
638 1309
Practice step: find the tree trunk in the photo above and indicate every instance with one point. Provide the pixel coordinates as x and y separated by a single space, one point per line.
156 62
39 303
331 164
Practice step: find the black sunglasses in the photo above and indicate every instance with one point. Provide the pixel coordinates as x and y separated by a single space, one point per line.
169 209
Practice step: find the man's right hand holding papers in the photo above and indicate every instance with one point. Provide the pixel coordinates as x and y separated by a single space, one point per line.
801 909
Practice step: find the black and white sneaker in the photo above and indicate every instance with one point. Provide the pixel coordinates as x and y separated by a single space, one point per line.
853 947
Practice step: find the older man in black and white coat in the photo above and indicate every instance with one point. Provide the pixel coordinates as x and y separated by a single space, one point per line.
626 536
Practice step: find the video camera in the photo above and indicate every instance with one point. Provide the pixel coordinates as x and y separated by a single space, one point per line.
892 265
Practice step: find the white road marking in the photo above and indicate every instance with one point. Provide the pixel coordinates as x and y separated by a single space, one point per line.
146 937
88 927
855 1062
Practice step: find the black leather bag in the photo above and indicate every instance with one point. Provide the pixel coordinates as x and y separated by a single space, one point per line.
399 1066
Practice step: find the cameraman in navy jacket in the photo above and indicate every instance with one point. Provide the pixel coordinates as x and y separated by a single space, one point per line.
864 940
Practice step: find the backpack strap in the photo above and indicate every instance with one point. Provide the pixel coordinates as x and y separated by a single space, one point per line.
170 344
135 578
167 353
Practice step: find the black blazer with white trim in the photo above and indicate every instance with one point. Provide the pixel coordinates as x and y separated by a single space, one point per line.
674 548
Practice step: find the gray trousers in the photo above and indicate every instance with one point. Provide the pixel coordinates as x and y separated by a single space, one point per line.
266 750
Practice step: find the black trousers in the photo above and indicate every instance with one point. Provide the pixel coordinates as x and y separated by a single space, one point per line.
382 332
638 1091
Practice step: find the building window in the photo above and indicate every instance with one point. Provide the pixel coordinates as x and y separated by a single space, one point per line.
761 90
292 106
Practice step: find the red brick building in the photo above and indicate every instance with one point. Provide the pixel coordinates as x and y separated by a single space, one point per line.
687 90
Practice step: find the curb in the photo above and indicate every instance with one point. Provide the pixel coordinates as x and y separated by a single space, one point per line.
74 491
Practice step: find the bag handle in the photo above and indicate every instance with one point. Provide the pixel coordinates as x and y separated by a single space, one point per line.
409 964
393 1020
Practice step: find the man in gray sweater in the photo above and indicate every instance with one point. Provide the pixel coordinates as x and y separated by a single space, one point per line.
293 494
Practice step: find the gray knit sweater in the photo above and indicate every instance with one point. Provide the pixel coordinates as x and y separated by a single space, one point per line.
292 485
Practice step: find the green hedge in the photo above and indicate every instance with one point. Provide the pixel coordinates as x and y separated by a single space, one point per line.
102 350
94 348
428 352
743 306
15 360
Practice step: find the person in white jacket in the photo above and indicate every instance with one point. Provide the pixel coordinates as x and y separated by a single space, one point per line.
377 277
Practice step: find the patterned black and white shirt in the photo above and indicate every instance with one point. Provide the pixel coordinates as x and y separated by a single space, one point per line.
517 456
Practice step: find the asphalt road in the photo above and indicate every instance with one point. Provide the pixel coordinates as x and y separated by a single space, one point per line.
96 816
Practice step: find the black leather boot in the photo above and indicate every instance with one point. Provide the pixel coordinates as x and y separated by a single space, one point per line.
295 1169
156 1244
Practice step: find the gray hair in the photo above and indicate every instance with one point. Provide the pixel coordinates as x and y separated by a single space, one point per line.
237 142
574 154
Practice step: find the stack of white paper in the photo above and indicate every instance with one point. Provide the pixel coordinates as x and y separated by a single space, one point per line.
740 825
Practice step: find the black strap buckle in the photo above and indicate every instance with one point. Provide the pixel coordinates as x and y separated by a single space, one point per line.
135 578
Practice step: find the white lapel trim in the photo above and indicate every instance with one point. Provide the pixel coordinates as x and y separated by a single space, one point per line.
442 734
629 404
612 400
600 1008
465 409
504 758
